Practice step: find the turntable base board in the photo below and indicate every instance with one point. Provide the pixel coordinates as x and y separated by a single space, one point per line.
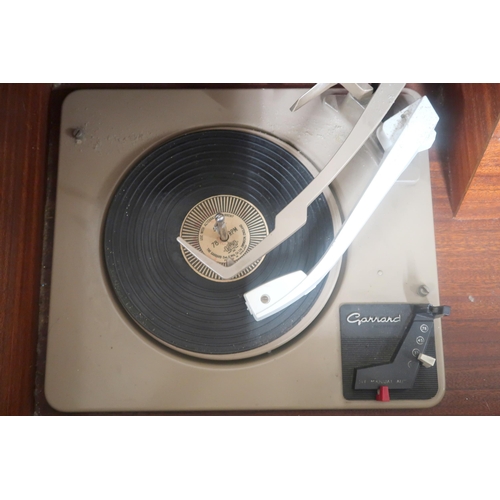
98 360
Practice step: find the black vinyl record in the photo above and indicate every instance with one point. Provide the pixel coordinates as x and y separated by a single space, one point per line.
153 282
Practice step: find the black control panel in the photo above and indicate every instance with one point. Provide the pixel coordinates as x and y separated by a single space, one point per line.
388 351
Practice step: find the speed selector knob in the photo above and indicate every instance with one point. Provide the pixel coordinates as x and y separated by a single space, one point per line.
426 360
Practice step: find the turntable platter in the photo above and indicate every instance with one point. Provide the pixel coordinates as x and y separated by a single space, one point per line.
153 280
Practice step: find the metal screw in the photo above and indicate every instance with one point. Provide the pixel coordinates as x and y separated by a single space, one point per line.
265 299
424 290
77 133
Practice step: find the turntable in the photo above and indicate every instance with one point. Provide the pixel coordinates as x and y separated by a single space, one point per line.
216 250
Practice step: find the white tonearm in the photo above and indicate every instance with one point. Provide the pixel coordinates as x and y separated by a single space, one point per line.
402 137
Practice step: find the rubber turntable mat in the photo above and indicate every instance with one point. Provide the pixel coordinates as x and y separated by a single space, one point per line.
149 275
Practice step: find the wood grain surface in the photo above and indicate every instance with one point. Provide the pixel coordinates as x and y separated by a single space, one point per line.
23 125
468 265
469 115
482 199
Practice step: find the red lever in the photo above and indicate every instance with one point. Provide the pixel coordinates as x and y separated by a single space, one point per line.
383 394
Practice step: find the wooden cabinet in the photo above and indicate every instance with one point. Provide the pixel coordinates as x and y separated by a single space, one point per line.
469 146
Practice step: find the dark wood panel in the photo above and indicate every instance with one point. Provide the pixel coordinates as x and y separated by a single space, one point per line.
23 125
470 114
484 189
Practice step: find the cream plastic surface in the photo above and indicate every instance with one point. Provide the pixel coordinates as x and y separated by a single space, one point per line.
97 360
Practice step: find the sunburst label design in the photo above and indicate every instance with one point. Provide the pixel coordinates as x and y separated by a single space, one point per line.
246 227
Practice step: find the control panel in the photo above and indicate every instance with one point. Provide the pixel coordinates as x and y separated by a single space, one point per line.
388 351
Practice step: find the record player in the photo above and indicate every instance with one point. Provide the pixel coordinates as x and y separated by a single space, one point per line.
211 252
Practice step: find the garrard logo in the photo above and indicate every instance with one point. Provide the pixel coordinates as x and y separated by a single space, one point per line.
359 320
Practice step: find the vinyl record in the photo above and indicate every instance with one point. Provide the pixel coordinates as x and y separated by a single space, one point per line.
154 282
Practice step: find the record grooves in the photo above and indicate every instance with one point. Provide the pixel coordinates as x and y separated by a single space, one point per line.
151 279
